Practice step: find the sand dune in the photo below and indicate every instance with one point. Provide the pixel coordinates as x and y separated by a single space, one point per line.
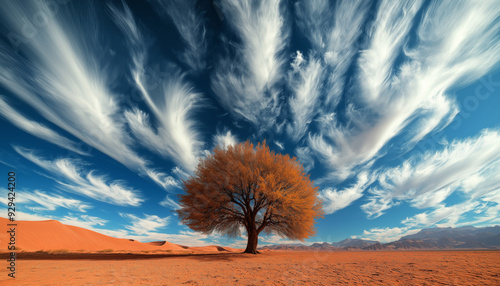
157 243
53 235
209 248
165 245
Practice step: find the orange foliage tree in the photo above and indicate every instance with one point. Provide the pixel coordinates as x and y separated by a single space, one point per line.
254 188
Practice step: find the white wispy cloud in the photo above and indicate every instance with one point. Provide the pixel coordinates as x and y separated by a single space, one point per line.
143 226
326 27
245 84
87 183
84 221
334 199
172 101
180 174
137 46
305 157
389 32
488 212
411 101
314 18
51 202
175 136
62 76
440 216
170 203
124 19
225 140
470 166
37 129
164 180
279 144
190 24
362 138
273 239
386 234
20 215
4 197
305 81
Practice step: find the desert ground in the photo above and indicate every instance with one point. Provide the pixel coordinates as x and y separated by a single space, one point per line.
268 268
52 253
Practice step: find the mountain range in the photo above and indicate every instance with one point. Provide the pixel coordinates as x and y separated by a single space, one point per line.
466 237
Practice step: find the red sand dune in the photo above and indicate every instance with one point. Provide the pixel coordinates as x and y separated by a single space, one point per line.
165 245
53 235
209 248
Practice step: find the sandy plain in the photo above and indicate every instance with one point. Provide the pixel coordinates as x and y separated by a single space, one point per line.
52 253
268 268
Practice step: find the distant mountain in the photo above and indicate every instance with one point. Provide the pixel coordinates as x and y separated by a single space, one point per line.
466 237
465 232
353 243
407 244
376 246
323 246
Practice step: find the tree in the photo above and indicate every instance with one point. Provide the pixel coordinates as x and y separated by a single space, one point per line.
254 188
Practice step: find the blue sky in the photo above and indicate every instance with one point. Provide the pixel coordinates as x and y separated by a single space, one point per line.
392 107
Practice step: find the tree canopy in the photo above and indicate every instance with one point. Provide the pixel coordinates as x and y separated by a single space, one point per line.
255 189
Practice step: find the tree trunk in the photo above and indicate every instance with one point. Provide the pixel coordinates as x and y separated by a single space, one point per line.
253 240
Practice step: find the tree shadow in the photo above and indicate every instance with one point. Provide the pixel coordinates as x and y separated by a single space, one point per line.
226 256
222 256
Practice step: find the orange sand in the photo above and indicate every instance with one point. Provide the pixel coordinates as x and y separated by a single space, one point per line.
269 268
57 254
51 235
